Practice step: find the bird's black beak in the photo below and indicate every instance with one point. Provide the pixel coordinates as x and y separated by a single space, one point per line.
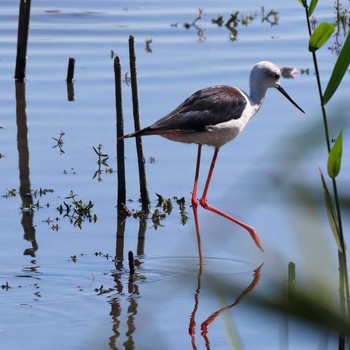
281 90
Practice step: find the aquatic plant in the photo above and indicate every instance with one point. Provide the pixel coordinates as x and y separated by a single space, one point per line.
101 162
318 37
59 141
163 208
77 211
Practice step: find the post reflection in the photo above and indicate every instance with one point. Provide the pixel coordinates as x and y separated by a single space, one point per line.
128 288
24 172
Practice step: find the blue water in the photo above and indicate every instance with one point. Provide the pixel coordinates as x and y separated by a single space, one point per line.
65 291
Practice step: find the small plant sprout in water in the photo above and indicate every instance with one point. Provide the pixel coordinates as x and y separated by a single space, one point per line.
200 31
197 18
183 214
165 204
235 19
59 141
152 160
148 43
271 17
164 208
126 79
102 290
231 23
76 211
101 162
5 286
53 222
11 192
30 209
55 227
41 192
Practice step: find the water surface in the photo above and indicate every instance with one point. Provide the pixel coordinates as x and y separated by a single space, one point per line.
61 285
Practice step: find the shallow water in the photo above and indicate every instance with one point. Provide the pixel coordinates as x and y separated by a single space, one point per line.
61 285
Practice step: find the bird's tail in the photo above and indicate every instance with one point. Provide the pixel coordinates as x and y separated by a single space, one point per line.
134 134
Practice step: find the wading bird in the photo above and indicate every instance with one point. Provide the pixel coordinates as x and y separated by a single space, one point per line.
214 116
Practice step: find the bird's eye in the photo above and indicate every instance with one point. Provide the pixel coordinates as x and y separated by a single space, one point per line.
277 76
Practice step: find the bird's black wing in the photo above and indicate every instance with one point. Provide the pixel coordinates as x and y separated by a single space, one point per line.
206 107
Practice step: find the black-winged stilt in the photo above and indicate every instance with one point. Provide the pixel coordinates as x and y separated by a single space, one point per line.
213 116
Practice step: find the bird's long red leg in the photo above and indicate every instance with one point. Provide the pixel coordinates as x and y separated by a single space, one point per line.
195 205
203 202
194 199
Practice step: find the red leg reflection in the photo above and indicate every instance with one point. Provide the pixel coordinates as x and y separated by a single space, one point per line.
192 325
203 202
211 318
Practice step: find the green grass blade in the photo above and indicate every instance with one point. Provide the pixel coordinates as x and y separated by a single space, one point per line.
339 70
312 7
320 35
334 157
332 217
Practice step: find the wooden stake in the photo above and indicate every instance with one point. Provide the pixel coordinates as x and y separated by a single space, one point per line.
22 39
120 132
135 104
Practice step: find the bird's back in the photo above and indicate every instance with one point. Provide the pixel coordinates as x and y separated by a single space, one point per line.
206 107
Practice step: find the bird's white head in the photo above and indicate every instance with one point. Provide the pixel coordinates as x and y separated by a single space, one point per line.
263 76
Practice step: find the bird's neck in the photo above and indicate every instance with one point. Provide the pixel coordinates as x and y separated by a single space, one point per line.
257 90
256 97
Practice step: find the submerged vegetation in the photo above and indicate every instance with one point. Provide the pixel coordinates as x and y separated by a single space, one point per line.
59 142
76 211
102 163
163 208
232 22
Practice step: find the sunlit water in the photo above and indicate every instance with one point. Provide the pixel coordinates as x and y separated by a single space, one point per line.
61 288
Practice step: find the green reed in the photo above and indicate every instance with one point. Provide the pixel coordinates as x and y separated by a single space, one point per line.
318 37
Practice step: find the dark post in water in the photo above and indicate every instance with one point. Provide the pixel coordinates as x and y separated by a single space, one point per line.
135 104
120 132
22 39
